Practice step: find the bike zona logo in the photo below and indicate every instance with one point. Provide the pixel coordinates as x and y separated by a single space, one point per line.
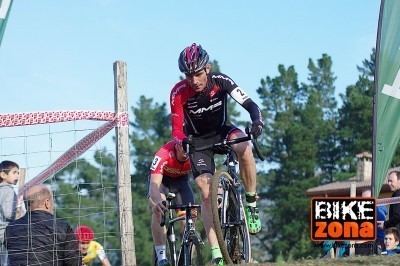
343 218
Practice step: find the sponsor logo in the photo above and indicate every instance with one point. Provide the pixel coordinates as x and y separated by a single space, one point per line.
205 109
176 171
201 162
175 92
343 219
214 91
223 77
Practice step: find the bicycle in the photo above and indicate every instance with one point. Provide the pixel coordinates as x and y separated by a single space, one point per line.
228 212
191 245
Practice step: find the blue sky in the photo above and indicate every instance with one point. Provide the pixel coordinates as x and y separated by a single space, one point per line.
59 55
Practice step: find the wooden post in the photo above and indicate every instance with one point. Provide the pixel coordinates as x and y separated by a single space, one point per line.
123 170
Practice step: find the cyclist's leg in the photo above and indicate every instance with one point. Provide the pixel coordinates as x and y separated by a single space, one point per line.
205 166
183 196
247 169
158 232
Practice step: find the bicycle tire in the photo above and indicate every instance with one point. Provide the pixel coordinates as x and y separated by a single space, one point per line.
234 241
195 255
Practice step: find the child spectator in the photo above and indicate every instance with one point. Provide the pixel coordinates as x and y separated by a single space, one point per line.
9 174
89 248
392 237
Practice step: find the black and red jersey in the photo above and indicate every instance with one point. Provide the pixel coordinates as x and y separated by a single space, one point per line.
202 114
166 163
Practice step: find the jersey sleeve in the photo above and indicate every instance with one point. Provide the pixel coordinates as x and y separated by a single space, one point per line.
241 97
159 160
101 253
177 115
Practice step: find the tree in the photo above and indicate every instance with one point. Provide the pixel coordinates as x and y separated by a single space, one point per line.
356 118
322 93
299 129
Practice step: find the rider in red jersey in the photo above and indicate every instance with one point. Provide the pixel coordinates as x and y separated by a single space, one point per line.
168 173
199 108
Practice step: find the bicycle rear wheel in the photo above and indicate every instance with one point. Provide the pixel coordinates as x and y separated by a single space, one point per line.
229 220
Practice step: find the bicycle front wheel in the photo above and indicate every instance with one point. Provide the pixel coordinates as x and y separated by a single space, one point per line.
229 220
191 254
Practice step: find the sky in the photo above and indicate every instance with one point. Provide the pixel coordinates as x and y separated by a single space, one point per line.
59 55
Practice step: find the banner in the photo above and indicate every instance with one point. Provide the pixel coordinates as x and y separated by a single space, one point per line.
5 7
386 129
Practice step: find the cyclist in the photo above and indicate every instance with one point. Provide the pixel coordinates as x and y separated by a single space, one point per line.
89 248
199 108
168 173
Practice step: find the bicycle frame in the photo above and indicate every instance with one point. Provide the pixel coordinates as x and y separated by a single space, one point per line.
190 236
231 164
229 214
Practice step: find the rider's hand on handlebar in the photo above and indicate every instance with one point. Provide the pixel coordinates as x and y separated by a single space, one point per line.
187 144
256 128
161 206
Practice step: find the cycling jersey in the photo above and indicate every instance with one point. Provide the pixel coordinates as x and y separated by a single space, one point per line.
175 175
166 163
94 250
204 114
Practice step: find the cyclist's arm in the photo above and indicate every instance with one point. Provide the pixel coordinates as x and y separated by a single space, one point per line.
154 191
240 96
105 262
101 253
177 115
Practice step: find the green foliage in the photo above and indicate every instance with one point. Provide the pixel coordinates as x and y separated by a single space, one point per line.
356 114
301 140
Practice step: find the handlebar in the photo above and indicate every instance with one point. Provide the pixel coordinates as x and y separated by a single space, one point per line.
174 207
230 142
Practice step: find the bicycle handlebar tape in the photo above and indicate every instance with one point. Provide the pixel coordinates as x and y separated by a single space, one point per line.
163 215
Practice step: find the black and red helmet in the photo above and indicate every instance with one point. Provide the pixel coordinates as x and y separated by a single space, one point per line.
192 59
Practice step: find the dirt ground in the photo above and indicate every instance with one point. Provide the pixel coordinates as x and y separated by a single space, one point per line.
355 260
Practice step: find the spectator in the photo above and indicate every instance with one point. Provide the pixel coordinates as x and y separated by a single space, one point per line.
394 209
89 248
38 238
9 175
381 212
392 238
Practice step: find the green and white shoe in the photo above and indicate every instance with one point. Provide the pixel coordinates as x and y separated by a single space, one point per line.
218 261
253 219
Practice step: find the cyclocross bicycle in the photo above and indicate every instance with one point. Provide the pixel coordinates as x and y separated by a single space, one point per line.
191 245
228 212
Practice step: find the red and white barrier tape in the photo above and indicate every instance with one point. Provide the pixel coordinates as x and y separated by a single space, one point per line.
69 156
24 119
77 150
386 201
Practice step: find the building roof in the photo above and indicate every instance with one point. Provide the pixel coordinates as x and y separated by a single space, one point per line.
342 188
364 154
